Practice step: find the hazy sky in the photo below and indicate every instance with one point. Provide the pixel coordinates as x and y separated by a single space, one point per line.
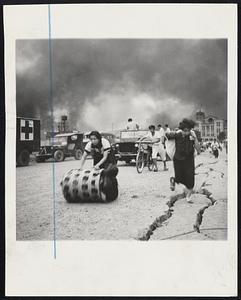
98 83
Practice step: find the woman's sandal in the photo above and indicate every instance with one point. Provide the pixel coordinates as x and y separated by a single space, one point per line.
172 183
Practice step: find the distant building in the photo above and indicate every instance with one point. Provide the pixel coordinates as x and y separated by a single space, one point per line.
210 126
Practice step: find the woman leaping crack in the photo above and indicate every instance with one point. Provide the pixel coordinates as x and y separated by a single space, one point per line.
186 142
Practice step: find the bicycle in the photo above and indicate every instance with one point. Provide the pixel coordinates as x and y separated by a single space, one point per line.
144 157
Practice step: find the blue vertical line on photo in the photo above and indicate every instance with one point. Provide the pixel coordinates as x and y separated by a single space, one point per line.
52 122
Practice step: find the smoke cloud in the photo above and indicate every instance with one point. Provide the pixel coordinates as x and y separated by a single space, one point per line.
99 84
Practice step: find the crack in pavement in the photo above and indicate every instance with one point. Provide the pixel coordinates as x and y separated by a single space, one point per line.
161 219
158 222
199 165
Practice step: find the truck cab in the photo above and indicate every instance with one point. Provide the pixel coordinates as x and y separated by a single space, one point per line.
126 148
62 145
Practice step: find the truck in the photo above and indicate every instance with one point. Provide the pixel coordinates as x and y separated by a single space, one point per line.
27 139
127 147
62 145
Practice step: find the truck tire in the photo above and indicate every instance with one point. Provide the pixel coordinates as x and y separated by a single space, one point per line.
23 158
78 154
58 155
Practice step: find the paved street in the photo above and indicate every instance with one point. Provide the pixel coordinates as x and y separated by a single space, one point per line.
146 209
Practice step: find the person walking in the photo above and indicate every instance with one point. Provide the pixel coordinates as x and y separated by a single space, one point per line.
161 130
186 142
155 139
100 150
167 129
162 146
215 148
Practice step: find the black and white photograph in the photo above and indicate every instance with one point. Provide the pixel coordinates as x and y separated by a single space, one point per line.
128 135
121 149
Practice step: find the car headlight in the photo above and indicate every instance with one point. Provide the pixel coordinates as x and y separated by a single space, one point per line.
136 145
117 145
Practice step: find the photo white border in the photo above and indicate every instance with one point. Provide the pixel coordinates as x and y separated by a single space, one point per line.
160 268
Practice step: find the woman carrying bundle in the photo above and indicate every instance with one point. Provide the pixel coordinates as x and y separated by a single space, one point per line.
186 141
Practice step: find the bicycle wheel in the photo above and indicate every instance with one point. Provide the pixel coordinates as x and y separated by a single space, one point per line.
150 164
140 162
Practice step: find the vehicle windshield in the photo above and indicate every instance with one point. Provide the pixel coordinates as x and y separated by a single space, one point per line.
132 135
60 140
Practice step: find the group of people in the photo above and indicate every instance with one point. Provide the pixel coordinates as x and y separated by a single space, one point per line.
183 160
214 147
103 155
157 147
157 138
132 125
185 144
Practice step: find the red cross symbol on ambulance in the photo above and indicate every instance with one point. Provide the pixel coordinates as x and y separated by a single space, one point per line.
26 130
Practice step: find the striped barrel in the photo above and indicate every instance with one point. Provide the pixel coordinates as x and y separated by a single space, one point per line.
83 186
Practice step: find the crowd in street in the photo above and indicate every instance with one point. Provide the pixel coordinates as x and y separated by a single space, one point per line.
215 147
180 144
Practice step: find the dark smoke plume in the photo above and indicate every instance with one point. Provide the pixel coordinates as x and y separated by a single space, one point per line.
100 83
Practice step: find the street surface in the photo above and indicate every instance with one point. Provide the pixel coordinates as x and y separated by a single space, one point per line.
146 209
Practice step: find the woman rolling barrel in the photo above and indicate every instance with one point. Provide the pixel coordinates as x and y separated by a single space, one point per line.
96 185
100 149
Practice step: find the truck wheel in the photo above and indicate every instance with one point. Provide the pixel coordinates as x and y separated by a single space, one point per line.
58 155
78 154
23 158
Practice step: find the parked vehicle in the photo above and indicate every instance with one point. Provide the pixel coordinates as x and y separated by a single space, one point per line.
127 147
61 146
27 139
109 136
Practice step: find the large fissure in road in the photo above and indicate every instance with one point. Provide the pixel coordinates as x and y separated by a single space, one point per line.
164 227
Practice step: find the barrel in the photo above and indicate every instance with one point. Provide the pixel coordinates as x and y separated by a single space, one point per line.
88 186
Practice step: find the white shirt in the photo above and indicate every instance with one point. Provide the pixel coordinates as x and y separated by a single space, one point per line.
162 134
105 146
132 125
155 136
168 130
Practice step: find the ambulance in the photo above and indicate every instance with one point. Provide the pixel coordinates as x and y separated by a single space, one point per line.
27 139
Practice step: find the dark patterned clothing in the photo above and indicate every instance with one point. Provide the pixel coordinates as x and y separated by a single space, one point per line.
183 159
184 146
184 171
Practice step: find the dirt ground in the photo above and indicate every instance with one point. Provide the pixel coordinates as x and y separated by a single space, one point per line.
142 199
